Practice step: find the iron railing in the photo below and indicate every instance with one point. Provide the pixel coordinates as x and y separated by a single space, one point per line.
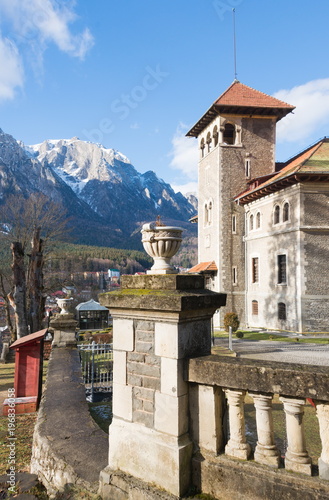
97 368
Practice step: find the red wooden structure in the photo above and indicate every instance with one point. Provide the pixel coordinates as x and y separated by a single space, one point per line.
28 373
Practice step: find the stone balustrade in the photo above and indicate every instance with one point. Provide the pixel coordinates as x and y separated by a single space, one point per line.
179 412
217 381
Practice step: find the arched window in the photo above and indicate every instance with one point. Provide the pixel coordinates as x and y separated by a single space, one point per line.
285 213
202 146
254 308
276 218
251 222
282 311
208 142
229 133
215 135
258 220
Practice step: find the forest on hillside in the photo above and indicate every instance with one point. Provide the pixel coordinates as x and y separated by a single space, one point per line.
71 258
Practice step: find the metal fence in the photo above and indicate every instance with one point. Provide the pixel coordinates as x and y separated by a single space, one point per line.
97 368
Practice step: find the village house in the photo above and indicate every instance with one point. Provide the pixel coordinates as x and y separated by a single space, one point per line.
262 226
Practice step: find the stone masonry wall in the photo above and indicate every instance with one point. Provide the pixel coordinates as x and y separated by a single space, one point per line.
221 178
143 373
68 446
257 141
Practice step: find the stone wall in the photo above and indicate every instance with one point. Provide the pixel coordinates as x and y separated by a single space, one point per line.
68 447
143 373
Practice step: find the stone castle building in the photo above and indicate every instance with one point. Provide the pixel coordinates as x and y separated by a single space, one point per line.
263 226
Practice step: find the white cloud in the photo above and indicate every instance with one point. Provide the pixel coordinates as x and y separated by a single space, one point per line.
184 153
311 114
189 187
33 25
47 21
11 76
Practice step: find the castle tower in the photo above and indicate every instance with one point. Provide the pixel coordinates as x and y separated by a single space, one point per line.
236 138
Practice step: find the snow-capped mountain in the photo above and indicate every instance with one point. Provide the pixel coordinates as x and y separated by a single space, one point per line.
103 194
109 183
193 200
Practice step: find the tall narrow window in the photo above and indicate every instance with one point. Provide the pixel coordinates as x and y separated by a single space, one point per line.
215 136
208 142
229 133
254 270
254 308
206 214
234 275
210 212
282 269
282 311
247 168
202 146
276 218
285 214
258 220
234 224
251 222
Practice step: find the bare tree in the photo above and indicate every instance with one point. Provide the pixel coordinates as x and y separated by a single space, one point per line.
4 291
17 296
31 226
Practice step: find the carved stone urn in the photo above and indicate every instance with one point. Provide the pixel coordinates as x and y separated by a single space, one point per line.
161 243
63 305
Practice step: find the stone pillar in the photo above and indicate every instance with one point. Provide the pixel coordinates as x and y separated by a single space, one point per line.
206 413
265 451
322 412
237 445
297 459
63 328
158 322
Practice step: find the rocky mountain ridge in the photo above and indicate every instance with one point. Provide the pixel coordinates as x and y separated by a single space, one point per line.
99 188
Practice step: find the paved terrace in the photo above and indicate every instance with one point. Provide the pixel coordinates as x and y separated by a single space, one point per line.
287 352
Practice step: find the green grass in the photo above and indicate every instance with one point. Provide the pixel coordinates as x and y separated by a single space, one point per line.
267 336
23 432
7 376
24 425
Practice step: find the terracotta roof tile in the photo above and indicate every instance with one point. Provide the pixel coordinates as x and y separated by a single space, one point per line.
239 94
314 161
204 266
242 100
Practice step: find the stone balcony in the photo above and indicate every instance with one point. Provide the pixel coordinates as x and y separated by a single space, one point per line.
218 383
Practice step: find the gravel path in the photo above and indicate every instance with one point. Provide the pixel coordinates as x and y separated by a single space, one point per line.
288 352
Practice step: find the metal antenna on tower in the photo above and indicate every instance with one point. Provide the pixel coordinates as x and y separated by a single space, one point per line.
234 41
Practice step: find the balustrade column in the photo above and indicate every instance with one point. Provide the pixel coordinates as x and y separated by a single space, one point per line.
297 459
266 451
322 412
237 446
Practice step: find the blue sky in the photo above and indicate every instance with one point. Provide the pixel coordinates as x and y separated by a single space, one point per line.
134 75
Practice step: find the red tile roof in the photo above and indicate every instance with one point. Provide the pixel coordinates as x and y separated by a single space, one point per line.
242 100
204 266
239 94
311 164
